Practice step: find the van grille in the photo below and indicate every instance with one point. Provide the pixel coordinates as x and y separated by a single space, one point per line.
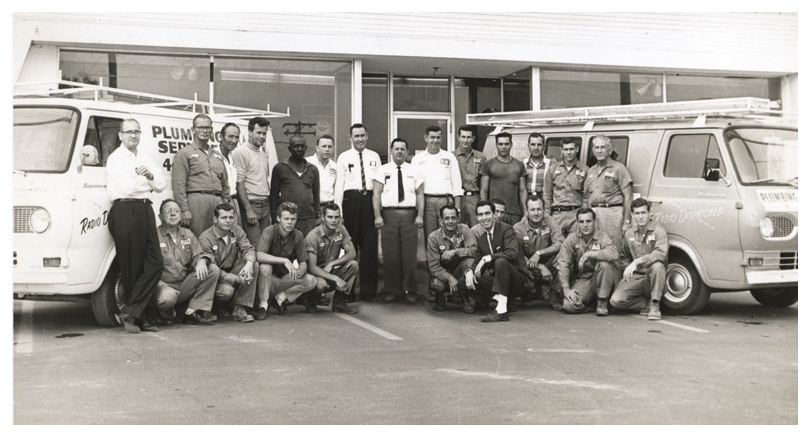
21 216
783 226
789 260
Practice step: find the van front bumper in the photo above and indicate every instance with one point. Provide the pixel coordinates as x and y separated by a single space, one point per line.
773 277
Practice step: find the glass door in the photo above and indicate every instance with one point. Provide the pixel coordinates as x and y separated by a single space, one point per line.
411 127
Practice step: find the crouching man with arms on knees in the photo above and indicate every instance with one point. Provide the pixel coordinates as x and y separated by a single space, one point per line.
587 257
331 271
541 239
644 258
449 254
236 258
283 282
189 273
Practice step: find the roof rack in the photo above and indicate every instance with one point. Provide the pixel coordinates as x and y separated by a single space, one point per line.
78 90
700 109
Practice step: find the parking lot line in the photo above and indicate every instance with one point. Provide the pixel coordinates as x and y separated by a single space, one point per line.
23 336
677 325
369 327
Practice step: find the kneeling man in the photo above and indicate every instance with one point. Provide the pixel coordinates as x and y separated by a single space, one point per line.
331 270
449 254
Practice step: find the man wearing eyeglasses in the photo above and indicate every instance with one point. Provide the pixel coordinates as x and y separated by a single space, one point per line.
131 177
199 178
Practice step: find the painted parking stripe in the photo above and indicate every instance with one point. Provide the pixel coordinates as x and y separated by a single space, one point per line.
23 337
367 326
677 325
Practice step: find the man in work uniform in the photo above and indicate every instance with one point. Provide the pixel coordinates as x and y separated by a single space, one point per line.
608 191
327 168
331 270
199 178
505 177
586 266
449 254
189 274
470 163
253 182
540 242
644 259
563 187
229 142
536 164
236 258
296 180
398 204
131 177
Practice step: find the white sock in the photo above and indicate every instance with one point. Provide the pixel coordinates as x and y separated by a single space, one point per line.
501 307
280 298
189 311
263 305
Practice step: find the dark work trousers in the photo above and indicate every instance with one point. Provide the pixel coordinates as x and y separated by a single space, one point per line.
505 279
359 219
399 239
132 224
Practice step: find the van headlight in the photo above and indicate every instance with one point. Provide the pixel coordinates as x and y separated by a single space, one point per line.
40 220
766 227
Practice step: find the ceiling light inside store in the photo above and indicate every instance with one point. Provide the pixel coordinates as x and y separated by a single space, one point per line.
278 78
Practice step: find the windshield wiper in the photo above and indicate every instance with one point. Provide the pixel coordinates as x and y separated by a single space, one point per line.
775 180
20 172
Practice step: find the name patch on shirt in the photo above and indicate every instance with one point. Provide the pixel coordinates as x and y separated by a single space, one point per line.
595 246
651 237
321 245
579 172
195 155
333 172
477 160
186 242
339 237
215 247
163 245
442 247
609 174
445 162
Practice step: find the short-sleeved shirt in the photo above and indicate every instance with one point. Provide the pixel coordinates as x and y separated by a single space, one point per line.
605 184
227 253
327 247
545 236
469 167
327 175
563 187
650 247
286 185
195 169
463 242
253 170
442 172
504 181
412 180
179 257
232 172
290 247
535 175
573 249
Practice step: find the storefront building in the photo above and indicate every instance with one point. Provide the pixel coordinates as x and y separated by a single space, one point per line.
398 73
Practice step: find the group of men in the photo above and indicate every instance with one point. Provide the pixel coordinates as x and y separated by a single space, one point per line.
241 237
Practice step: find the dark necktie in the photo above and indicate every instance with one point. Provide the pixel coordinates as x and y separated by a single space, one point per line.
400 190
362 173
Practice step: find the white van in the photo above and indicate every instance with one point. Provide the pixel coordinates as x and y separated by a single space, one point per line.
721 176
62 247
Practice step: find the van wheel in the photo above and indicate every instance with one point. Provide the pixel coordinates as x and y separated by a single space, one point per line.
106 301
776 296
685 293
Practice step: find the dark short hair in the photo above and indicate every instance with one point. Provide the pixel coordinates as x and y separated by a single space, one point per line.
325 137
498 201
568 140
536 135
534 198
222 207
261 121
398 139
586 210
166 201
330 206
447 207
226 126
504 134
640 202
467 128
486 203
287 206
356 126
433 128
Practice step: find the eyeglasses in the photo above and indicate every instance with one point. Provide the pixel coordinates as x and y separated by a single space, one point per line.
204 128
131 133
171 211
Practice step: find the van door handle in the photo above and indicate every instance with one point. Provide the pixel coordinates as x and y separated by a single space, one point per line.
654 201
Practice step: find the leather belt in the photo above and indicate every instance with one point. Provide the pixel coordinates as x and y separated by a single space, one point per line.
144 200
205 192
565 208
605 205
398 208
437 196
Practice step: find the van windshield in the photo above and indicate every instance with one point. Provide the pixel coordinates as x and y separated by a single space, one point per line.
43 138
764 156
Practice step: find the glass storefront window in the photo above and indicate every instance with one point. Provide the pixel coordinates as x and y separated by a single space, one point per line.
681 88
421 94
376 112
476 95
518 91
575 89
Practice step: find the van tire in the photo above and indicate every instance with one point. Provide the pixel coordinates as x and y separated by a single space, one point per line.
685 293
105 301
776 296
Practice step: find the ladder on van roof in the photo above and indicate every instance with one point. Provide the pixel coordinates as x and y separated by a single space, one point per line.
742 107
79 90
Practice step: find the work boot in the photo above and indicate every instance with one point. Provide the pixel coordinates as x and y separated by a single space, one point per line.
654 314
311 302
241 315
467 306
431 296
339 304
644 312
129 323
602 307
496 317
439 301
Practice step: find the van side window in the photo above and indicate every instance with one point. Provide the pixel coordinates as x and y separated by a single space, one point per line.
554 144
102 134
687 152
620 154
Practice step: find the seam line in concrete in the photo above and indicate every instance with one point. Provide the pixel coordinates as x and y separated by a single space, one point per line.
367 326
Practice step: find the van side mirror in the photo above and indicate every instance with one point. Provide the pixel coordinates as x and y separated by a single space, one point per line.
712 169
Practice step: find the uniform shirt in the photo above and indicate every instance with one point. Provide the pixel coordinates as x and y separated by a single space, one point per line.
290 247
180 258
304 190
535 175
231 170
327 175
532 240
574 247
462 242
605 185
563 187
349 171
227 254
195 169
327 247
412 179
123 182
253 170
442 172
504 182
650 247
469 166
